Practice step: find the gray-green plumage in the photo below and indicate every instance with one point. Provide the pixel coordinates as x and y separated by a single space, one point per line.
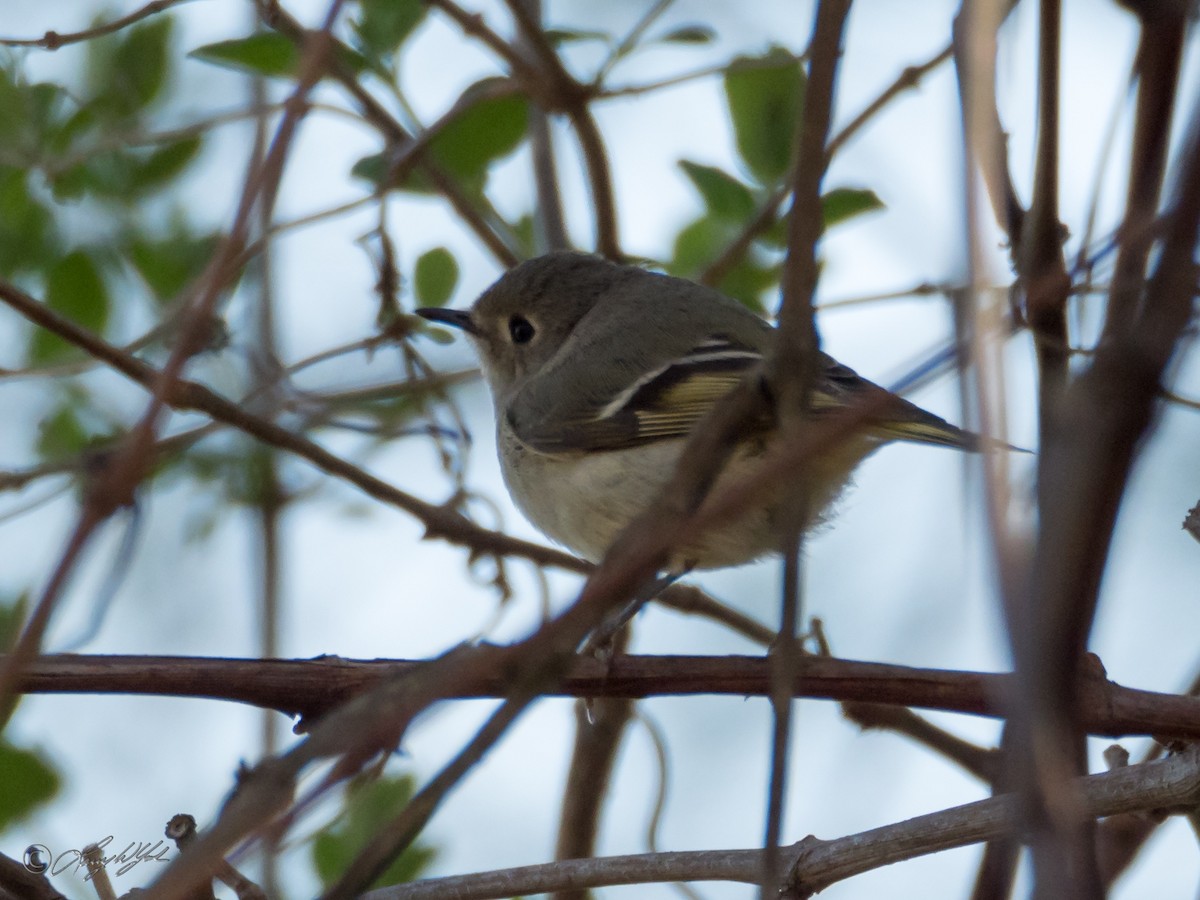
599 371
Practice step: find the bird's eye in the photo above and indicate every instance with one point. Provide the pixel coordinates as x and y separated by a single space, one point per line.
520 330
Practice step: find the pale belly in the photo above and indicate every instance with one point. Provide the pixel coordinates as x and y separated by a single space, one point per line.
584 502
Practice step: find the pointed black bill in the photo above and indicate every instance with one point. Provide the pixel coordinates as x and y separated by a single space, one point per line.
456 318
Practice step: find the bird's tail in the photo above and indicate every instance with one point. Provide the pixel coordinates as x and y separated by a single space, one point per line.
923 427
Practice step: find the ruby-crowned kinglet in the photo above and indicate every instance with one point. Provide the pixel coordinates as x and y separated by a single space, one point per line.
599 371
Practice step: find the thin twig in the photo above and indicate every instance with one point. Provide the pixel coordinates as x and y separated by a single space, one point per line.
52 40
439 521
975 64
816 864
565 93
791 373
1048 748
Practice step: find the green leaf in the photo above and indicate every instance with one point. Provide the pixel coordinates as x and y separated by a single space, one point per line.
29 781
164 164
763 95
267 53
12 617
701 242
140 63
522 230
370 804
484 129
385 24
15 112
487 129
263 53
689 34
435 277
560 36
76 290
696 245
372 168
126 176
746 282
435 334
724 195
28 238
128 72
171 264
841 204
61 435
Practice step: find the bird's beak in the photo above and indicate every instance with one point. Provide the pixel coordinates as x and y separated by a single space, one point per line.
456 318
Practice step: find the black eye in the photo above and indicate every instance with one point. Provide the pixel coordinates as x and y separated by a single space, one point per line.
520 330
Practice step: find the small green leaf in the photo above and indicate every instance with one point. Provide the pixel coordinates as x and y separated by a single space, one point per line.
372 168
164 163
128 72
267 53
29 781
141 61
689 34
375 168
724 195
28 238
263 53
15 112
487 129
763 95
746 282
560 36
370 804
61 435
386 24
170 264
696 245
522 230
12 616
841 204
76 290
126 176
700 243
435 334
435 277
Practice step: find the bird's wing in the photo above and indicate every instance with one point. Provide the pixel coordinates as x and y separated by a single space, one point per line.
662 404
667 402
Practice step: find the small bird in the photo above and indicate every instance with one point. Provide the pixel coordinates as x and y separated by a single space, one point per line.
599 371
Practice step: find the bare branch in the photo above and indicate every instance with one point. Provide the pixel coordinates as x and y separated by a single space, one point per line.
816 864
52 40
312 688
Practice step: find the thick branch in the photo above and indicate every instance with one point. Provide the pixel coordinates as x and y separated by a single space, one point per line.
313 687
817 864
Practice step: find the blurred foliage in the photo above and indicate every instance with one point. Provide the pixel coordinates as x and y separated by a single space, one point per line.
27 778
434 277
762 96
383 25
483 128
371 803
29 781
